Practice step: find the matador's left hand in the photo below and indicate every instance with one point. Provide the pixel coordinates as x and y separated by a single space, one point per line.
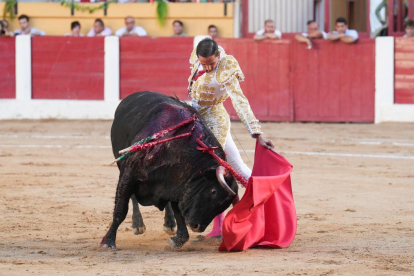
267 143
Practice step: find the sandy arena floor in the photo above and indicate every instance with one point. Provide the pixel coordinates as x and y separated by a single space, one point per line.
353 186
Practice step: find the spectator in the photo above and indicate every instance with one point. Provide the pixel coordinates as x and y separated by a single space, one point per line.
131 29
409 29
342 32
25 28
269 31
178 27
212 31
6 28
313 33
2 29
74 29
99 29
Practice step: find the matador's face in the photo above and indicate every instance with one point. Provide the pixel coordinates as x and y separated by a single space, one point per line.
209 63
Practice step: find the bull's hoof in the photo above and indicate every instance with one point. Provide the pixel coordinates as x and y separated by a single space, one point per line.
170 230
105 244
139 230
177 242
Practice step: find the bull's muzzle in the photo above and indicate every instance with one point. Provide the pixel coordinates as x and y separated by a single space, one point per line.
221 172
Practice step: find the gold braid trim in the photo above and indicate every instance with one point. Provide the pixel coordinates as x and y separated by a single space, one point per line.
227 69
193 57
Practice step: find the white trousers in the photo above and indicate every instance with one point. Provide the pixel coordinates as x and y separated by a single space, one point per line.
234 159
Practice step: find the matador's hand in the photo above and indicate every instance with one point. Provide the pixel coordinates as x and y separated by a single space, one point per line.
267 143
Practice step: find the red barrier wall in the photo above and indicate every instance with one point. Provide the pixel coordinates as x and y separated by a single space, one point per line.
404 71
266 66
159 65
68 68
7 68
334 82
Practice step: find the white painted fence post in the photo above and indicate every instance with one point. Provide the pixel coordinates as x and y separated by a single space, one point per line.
112 77
23 67
385 108
384 76
236 20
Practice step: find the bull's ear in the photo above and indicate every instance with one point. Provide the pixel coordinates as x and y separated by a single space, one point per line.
229 178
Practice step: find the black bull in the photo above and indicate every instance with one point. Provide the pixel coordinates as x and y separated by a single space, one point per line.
175 172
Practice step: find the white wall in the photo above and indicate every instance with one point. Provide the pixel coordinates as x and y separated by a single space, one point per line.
385 108
289 15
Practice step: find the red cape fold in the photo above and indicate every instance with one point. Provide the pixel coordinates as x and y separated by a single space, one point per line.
266 215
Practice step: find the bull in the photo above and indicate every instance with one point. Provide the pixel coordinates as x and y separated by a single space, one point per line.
175 173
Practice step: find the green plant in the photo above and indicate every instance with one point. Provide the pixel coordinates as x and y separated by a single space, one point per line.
9 9
78 7
162 10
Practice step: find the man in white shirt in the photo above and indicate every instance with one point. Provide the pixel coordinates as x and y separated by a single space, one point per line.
131 29
269 31
6 27
409 29
99 29
25 28
342 32
313 33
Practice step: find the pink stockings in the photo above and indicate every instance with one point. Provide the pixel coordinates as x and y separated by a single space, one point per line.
217 225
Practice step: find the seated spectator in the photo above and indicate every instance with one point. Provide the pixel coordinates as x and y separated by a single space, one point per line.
269 31
212 31
99 29
5 28
25 28
313 33
409 29
178 28
74 29
131 29
2 29
342 32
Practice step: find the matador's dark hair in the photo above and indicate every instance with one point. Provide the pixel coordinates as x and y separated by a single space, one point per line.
207 47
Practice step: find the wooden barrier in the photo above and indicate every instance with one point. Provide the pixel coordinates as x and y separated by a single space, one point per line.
404 71
7 68
266 66
68 68
159 65
334 82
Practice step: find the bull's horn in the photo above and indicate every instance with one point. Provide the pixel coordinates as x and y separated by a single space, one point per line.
220 172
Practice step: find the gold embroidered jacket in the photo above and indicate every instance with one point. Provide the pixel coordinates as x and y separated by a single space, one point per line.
211 89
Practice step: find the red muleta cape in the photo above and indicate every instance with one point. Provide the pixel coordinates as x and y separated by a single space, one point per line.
266 215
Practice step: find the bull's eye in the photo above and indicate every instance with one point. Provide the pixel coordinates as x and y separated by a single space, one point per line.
213 191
